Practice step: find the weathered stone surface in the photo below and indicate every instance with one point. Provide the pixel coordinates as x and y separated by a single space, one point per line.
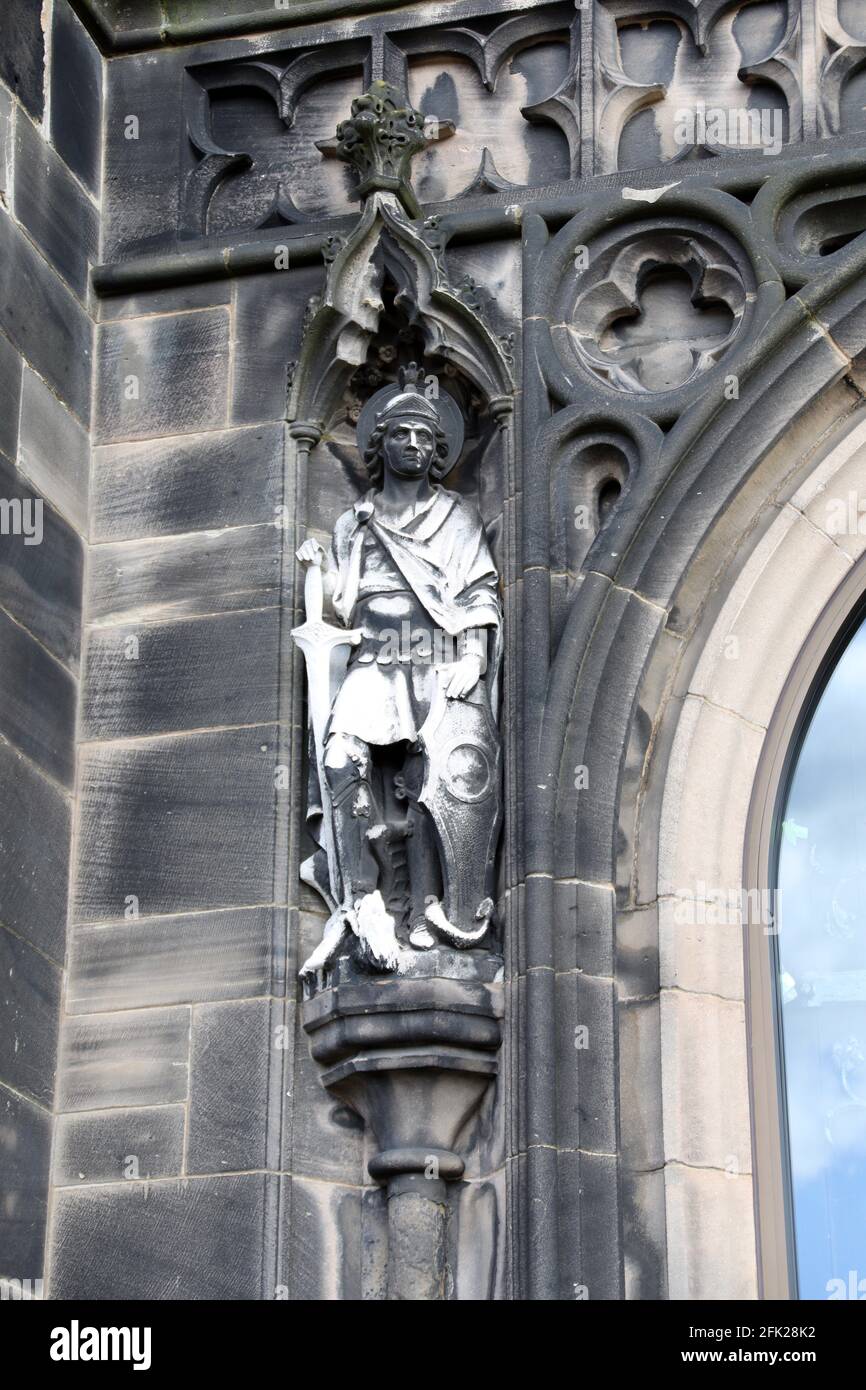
230 1067
119 1144
711 1234
746 661
22 51
30 1004
25 1147
204 481
203 673
590 1261
185 576
691 848
640 1072
170 299
269 312
140 202
41 584
35 826
171 960
318 1217
215 791
698 1129
122 1059
54 451
324 1137
44 320
76 96
6 143
701 945
10 397
163 375
586 1018
57 213
37 702
195 1239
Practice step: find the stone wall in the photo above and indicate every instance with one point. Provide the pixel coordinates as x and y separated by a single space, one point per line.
50 77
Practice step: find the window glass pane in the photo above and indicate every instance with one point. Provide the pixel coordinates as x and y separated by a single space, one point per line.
822 984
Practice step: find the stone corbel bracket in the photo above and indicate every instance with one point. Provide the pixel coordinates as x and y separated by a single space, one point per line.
414 1057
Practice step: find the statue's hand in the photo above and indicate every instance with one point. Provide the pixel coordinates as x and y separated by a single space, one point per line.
311 553
465 677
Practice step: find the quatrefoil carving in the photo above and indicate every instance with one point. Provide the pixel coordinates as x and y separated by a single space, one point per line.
656 311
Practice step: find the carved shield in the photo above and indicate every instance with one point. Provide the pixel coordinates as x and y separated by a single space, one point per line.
461 791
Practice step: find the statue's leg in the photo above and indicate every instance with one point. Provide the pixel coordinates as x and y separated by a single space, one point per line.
347 772
422 855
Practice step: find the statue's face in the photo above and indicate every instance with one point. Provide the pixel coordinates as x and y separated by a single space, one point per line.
408 447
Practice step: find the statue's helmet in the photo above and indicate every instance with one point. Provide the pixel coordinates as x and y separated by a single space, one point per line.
410 404
407 401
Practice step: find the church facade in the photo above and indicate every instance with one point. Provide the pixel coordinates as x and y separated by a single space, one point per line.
432 476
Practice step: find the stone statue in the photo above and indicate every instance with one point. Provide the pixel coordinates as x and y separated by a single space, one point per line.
405 763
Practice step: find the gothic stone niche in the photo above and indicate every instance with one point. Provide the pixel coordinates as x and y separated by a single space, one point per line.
400 406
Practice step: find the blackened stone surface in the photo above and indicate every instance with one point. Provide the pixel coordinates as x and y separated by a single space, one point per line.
228 1096
195 674
22 51
10 397
325 1137
122 1059
29 1004
188 1240
181 823
163 375
269 313
35 822
40 585
167 486
6 151
76 96
44 319
25 1145
54 451
326 1230
186 575
171 299
171 960
98 1147
140 200
57 213
37 702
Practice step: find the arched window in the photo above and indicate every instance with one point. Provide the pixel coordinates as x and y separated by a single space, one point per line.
818 958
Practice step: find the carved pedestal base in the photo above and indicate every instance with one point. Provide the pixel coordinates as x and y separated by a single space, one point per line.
413 1055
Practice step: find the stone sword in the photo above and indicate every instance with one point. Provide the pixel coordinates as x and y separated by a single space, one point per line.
320 642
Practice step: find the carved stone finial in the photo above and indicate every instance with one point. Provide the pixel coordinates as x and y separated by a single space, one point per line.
380 139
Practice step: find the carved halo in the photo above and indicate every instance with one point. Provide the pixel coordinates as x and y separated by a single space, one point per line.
450 419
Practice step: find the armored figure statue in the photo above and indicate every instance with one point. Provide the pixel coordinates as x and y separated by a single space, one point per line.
404 798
